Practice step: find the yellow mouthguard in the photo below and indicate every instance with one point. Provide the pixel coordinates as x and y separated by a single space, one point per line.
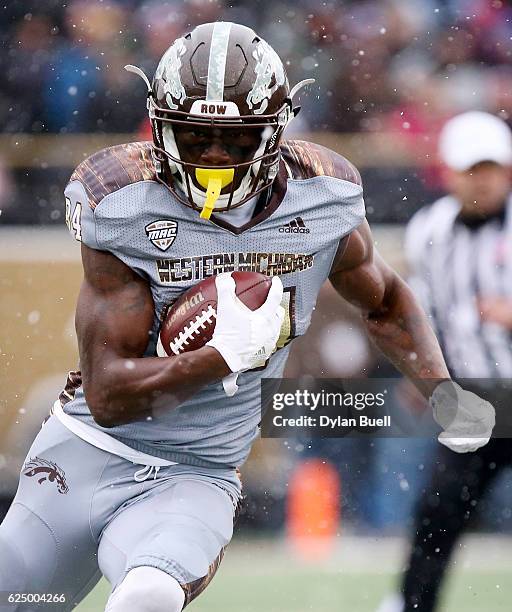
213 181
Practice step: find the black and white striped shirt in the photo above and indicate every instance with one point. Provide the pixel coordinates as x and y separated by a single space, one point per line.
453 264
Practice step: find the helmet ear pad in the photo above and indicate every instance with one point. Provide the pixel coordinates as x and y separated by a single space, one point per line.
169 145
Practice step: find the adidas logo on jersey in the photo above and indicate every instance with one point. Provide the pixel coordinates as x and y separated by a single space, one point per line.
297 226
162 233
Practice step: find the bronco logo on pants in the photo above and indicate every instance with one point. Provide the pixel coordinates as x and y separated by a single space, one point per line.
46 470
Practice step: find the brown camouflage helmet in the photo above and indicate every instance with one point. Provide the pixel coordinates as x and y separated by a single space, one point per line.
220 75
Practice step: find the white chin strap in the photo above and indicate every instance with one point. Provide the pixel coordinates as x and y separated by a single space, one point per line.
198 194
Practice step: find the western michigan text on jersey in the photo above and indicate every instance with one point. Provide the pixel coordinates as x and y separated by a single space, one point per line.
197 268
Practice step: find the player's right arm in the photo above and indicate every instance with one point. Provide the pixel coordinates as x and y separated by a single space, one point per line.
115 311
113 321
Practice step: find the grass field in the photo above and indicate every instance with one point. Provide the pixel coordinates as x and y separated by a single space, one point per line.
267 576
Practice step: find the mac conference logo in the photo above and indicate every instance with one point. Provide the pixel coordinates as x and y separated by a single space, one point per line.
162 233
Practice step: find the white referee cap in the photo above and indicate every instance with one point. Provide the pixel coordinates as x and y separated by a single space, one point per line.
475 137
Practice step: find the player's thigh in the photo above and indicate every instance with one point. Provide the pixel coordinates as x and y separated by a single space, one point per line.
46 544
181 529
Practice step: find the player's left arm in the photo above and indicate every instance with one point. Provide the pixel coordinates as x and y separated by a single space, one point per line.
398 326
391 314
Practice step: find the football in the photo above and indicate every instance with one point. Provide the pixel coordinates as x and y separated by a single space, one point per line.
190 321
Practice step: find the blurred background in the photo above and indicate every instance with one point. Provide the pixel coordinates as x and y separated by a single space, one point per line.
388 74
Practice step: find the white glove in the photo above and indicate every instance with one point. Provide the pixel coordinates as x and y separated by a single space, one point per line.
245 337
466 418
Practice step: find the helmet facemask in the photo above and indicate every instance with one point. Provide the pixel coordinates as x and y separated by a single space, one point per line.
250 177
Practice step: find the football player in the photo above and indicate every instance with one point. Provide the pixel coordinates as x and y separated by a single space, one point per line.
134 475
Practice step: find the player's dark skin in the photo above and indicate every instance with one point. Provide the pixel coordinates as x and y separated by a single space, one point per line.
115 316
216 147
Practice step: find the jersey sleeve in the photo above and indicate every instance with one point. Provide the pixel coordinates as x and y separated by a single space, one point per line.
79 215
352 187
354 197
347 191
333 175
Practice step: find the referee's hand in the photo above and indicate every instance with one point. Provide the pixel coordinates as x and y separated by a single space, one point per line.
467 419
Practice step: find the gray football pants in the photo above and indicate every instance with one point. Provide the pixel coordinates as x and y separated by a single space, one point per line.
80 513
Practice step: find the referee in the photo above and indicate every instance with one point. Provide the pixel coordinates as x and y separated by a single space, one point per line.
459 251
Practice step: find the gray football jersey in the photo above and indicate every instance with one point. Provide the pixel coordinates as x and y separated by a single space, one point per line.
114 203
